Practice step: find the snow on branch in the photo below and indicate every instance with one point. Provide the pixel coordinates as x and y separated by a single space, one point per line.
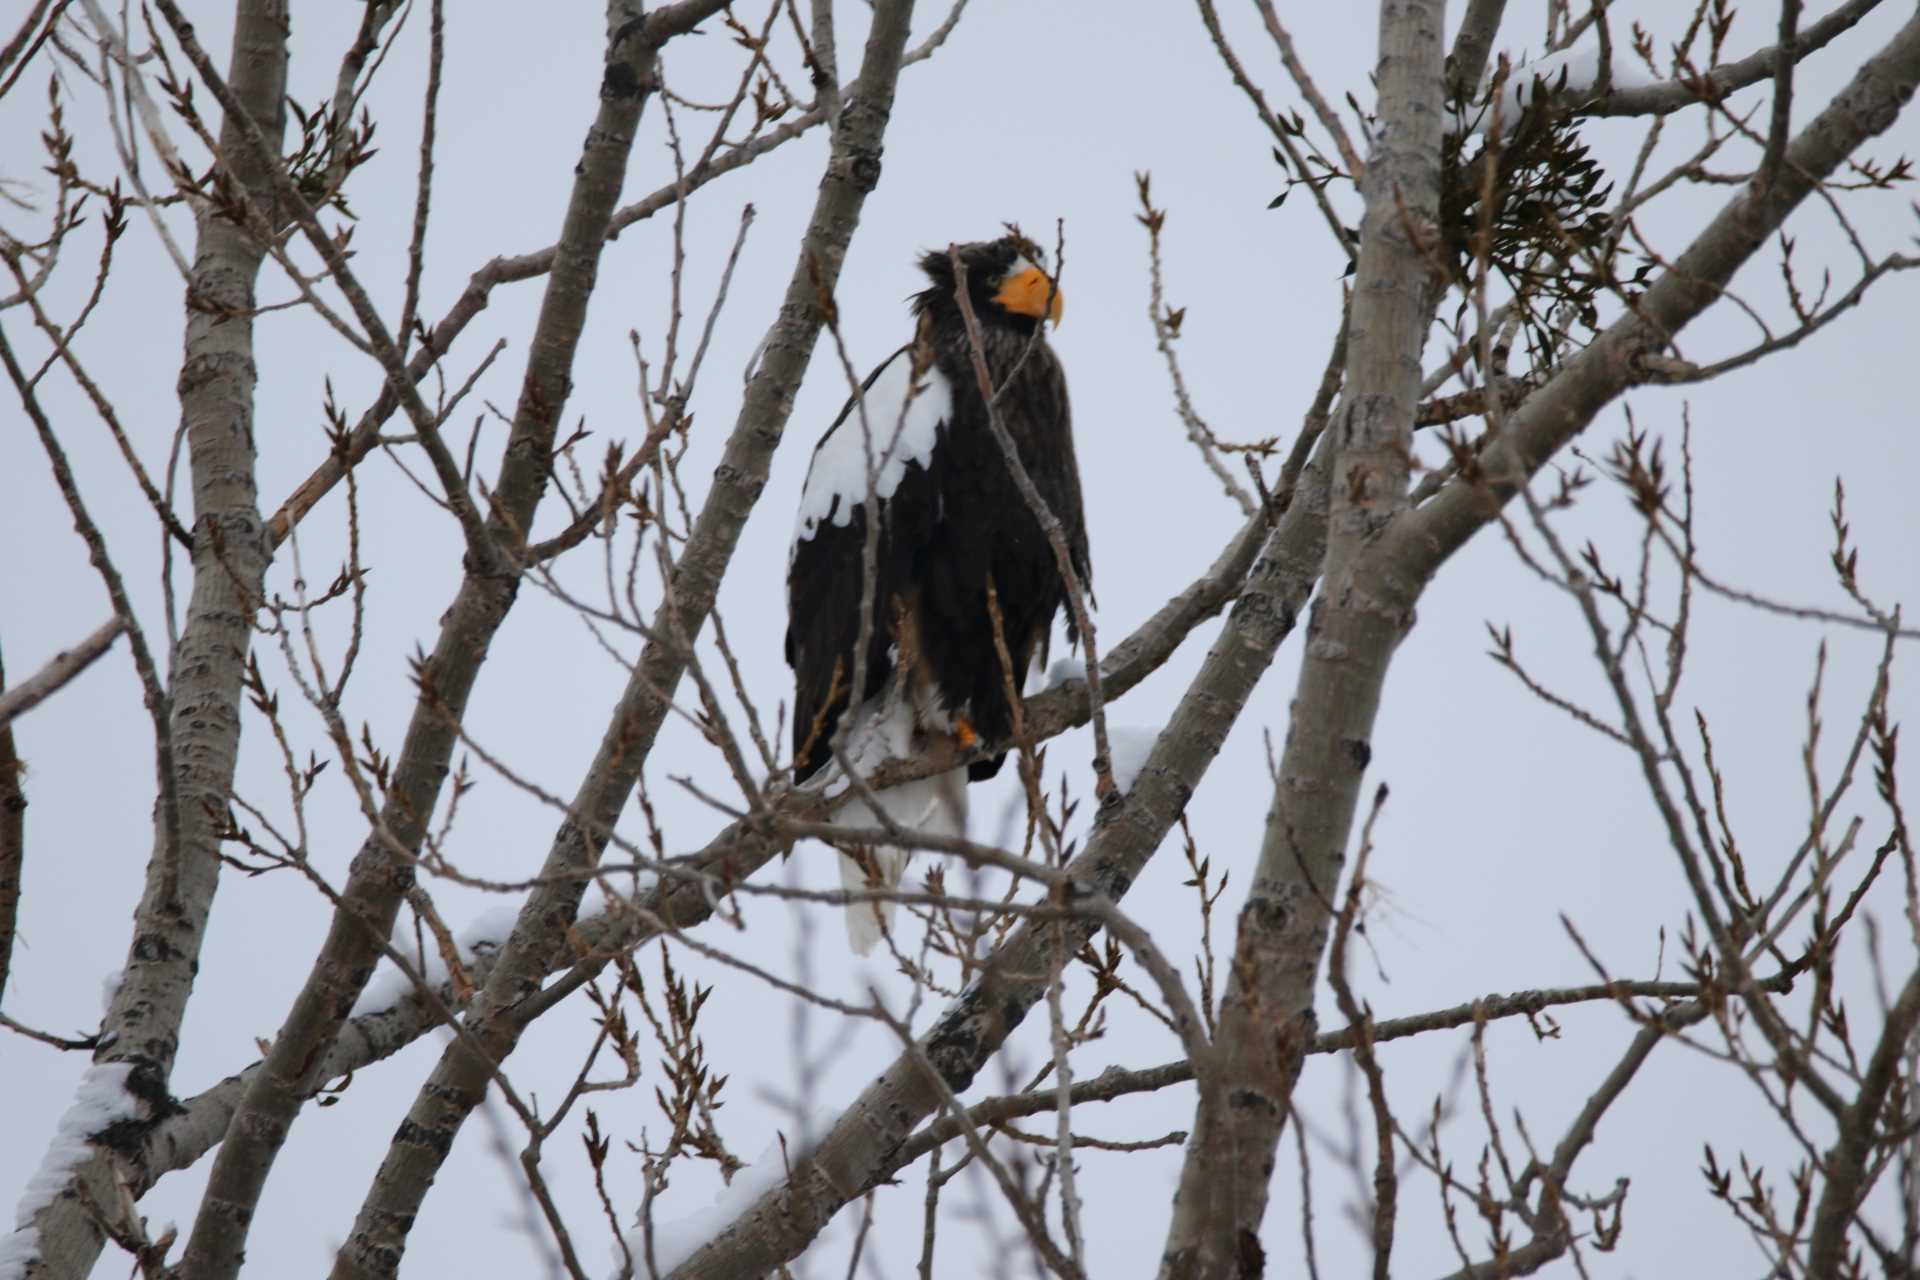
100 1102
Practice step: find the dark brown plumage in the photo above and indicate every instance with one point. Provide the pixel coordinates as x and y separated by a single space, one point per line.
951 517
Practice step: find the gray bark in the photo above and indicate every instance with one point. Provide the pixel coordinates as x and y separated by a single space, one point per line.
539 939
1266 1014
1473 46
382 871
217 379
1862 1133
1381 557
683 899
59 670
1668 96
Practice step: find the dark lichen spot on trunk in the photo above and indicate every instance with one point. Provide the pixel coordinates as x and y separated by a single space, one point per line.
619 82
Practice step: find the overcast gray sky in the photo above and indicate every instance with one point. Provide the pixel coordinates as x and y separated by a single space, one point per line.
1503 814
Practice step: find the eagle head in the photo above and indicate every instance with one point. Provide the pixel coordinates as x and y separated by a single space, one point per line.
1007 281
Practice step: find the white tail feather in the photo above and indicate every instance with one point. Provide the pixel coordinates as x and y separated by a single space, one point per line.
936 804
867 921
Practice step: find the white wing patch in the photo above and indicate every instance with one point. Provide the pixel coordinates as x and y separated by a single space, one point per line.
899 431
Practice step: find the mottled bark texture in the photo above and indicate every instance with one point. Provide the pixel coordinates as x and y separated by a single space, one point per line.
1473 46
59 671
863 1145
540 936
1382 556
686 894
684 897
1363 610
1667 96
1864 1130
382 870
217 379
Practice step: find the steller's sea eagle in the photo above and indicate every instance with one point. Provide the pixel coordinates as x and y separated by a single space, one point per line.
952 522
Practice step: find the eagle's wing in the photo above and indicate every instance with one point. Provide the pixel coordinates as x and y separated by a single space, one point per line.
892 442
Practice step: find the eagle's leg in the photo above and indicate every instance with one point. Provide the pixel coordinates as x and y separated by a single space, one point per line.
916 674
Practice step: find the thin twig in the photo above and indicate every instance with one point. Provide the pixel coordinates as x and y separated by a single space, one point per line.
1049 524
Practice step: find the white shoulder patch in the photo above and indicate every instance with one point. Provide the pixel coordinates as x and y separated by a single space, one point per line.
899 430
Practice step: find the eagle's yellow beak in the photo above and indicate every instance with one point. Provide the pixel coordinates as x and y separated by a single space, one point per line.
1030 293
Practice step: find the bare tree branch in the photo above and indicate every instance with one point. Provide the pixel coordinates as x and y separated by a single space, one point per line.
61 668
369 904
1303 81
512 268
1557 412
217 379
1013 980
1860 1133
36 20
1472 46
539 939
1266 1015
1669 96
1567 296
1116 1082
